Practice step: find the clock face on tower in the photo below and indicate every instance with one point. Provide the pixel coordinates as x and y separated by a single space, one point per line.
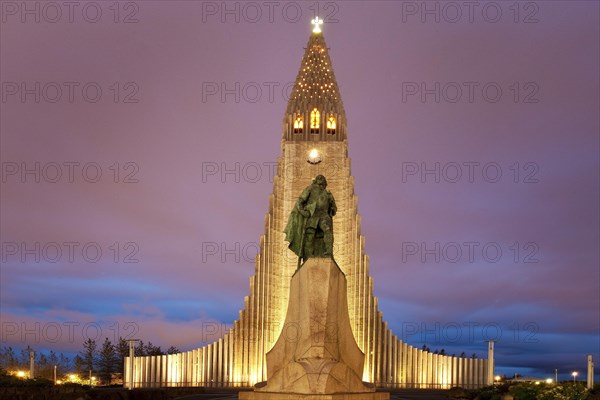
314 156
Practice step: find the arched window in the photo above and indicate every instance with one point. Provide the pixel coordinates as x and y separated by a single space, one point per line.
298 124
315 120
331 125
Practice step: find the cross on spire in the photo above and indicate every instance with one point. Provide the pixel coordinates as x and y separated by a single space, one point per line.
317 22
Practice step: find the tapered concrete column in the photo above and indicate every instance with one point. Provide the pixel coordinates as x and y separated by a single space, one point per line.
415 368
137 369
395 359
490 370
219 366
178 374
445 372
590 373
191 368
226 376
431 370
163 370
405 363
195 367
209 364
482 372
203 371
152 371
140 376
171 369
180 369
238 351
454 372
423 367
230 358
468 372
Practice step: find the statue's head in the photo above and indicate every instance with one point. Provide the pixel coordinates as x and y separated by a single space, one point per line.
321 181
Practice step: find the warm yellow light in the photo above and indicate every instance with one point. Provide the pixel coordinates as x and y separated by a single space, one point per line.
537 382
314 156
72 377
93 378
549 380
315 119
317 22
298 122
331 123
21 374
575 373
58 382
497 378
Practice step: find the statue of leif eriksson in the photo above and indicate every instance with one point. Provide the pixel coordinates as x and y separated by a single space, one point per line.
310 225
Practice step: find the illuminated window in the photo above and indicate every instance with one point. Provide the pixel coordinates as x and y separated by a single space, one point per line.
315 120
298 124
331 125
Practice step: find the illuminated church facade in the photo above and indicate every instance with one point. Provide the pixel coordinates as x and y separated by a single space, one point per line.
314 142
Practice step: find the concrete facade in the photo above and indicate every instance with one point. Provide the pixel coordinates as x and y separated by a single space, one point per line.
315 120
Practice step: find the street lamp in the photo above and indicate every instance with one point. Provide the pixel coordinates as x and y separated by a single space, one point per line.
574 375
497 378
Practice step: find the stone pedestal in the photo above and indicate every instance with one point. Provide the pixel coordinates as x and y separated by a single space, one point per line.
316 355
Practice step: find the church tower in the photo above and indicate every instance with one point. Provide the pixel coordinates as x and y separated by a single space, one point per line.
314 141
315 112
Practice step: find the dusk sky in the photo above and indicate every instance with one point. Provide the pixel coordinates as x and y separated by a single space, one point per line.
138 137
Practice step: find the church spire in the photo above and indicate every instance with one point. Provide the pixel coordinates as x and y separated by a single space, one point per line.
315 111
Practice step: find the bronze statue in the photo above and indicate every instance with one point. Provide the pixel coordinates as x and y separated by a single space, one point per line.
310 225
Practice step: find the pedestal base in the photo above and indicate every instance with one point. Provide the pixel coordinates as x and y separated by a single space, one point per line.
321 361
291 396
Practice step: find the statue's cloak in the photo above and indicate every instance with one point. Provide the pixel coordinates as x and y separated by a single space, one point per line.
294 231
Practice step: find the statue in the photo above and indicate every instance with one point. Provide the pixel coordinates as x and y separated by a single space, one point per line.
310 225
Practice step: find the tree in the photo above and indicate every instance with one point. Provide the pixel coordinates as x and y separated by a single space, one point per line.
107 362
140 349
24 357
173 350
42 366
53 359
152 350
8 359
89 355
78 363
122 349
64 364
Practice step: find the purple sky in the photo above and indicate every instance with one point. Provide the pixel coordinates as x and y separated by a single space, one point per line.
179 97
